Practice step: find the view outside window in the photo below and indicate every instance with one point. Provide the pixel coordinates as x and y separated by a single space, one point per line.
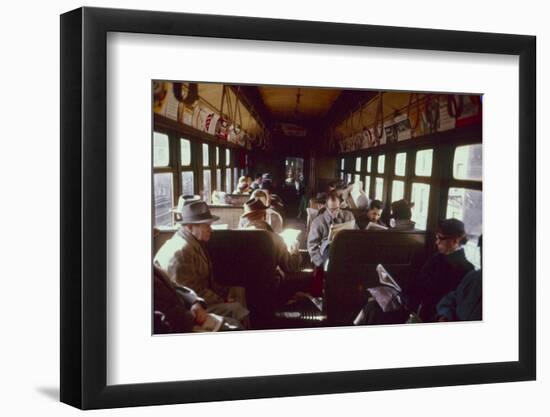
467 162
228 180
397 190
381 162
423 166
367 185
358 164
163 199
235 178
187 183
207 185
357 178
227 157
348 178
400 162
205 156
342 164
466 205
379 189
185 151
369 163
161 153
219 184
217 156
420 196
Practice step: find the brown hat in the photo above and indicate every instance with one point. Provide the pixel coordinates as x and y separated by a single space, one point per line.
254 205
196 212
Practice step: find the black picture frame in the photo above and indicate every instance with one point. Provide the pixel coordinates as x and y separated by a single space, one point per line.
84 207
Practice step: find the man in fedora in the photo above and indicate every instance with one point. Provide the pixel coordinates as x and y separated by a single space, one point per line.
186 261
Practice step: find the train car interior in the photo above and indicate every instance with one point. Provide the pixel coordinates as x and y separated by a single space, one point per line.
279 207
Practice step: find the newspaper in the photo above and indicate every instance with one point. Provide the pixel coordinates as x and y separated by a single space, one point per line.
335 228
213 323
375 226
388 294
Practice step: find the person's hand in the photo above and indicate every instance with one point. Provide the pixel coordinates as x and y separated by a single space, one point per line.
199 312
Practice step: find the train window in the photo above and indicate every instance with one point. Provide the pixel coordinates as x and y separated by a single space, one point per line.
163 183
466 205
207 185
367 185
423 166
348 178
341 175
467 162
218 179
420 197
358 164
187 183
397 190
342 161
357 178
161 153
379 189
228 180
185 152
217 156
205 156
369 163
381 162
235 178
400 163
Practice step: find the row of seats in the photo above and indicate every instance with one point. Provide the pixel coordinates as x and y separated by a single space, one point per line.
246 258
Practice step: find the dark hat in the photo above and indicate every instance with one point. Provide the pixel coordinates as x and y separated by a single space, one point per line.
253 205
401 209
452 227
196 212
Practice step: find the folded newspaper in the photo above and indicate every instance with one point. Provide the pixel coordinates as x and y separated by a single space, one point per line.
213 323
388 294
375 226
335 228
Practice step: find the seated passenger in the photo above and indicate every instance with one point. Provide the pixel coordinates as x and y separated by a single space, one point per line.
441 274
318 238
187 263
273 218
401 215
254 217
374 211
357 198
242 186
465 302
257 182
179 309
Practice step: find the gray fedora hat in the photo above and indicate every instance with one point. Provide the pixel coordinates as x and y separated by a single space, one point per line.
196 212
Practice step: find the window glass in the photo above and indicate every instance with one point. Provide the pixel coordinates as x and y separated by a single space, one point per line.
185 151
369 163
466 205
235 178
163 199
205 155
217 156
228 180
397 190
358 164
227 157
367 185
341 175
400 163
219 179
381 162
379 189
348 178
161 153
342 164
207 185
423 166
357 178
467 162
187 183
420 196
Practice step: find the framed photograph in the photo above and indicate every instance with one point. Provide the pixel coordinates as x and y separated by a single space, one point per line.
259 208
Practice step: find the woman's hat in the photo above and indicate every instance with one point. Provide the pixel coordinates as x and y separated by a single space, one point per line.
196 212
